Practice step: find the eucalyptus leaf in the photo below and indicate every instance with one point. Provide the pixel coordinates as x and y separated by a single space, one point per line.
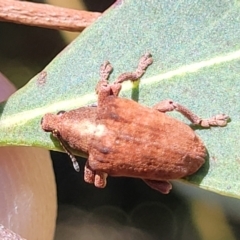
195 45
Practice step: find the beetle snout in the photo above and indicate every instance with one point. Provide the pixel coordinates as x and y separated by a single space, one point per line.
48 122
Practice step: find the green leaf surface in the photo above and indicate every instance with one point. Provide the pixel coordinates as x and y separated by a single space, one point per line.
196 49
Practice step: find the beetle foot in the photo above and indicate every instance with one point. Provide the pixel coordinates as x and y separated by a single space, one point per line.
88 174
99 179
161 186
105 70
169 105
218 120
143 64
145 61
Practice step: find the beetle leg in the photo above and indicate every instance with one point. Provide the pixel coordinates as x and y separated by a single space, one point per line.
105 71
168 105
99 179
161 186
104 89
88 174
143 64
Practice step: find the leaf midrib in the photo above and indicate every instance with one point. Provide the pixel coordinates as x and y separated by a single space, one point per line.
23 117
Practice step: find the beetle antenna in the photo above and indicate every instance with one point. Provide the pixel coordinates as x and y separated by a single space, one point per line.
65 148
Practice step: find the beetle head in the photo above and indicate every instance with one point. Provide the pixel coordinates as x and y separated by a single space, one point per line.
49 122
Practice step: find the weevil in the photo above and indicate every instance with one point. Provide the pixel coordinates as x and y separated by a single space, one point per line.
124 138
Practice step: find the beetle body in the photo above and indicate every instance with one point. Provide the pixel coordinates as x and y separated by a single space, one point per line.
124 138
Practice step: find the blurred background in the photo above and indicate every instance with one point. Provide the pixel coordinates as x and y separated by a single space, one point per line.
126 208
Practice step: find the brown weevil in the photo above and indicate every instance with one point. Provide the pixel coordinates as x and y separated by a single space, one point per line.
124 138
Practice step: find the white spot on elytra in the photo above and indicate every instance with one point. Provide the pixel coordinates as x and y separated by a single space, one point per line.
87 128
